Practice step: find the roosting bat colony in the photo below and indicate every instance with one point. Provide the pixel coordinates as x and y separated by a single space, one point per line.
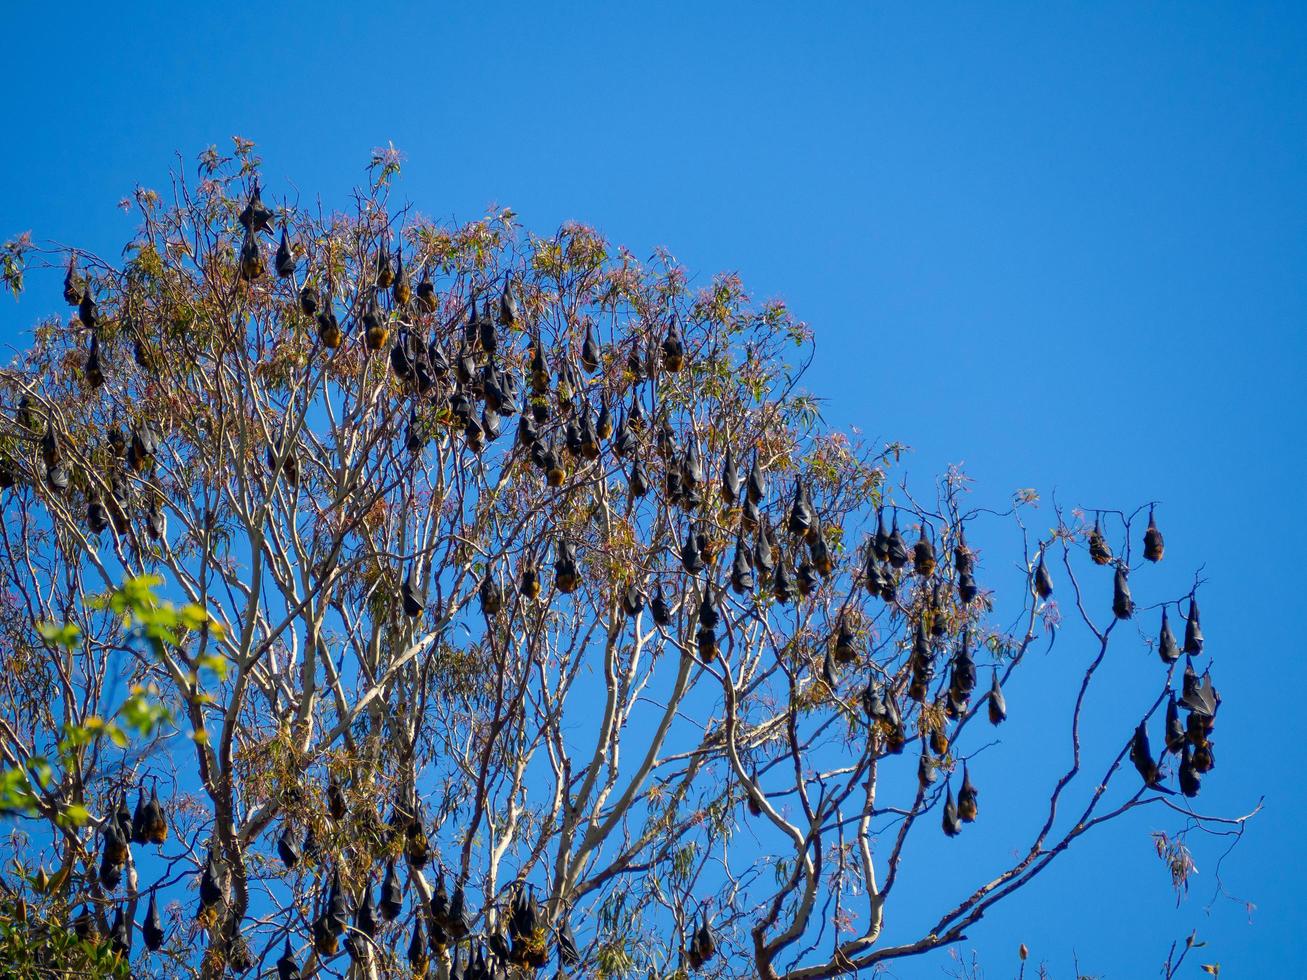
441 624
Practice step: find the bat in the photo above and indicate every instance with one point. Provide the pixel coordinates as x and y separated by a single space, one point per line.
256 216
923 555
566 576
1166 645
673 350
1098 549
801 515
251 259
1043 580
74 284
730 484
952 822
284 261
967 807
1141 754
152 929
1193 632
589 350
742 568
1154 543
1123 606
997 703
287 967
897 550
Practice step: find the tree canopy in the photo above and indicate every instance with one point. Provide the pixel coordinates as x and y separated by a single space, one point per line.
385 597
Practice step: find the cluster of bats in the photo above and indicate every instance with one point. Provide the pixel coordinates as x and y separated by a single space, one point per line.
1190 739
469 389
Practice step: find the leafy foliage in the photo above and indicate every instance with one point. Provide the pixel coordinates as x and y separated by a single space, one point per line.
511 561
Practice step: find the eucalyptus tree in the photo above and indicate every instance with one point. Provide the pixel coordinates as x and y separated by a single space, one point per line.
471 591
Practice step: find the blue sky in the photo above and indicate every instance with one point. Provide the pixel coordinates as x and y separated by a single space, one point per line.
1086 223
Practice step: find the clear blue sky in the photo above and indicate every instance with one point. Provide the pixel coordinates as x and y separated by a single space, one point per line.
1089 221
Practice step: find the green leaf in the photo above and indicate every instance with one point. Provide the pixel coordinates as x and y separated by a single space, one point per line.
214 662
74 815
68 635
